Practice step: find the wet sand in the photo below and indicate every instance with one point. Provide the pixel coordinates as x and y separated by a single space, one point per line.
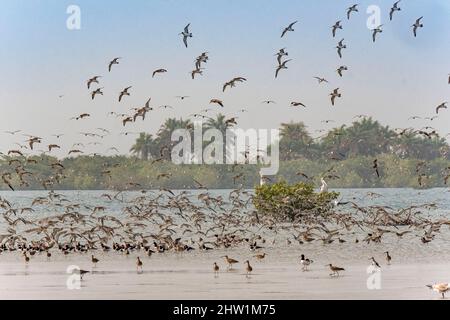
190 276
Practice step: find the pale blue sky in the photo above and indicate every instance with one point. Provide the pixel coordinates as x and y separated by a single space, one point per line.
40 58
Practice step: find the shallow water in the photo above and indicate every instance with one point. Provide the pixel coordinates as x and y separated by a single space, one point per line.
189 275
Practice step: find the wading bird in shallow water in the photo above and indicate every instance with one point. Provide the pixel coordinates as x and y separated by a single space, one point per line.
388 257
216 269
442 288
186 34
288 28
334 270
375 263
139 264
417 25
394 8
249 269
230 262
305 262
94 260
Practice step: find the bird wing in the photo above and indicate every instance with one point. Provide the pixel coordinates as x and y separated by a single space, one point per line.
186 29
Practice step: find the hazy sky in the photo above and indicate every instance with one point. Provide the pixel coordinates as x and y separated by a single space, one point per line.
40 59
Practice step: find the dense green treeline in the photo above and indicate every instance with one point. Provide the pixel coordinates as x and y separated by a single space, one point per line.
343 156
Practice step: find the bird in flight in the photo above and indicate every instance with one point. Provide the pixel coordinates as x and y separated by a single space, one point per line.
288 28
268 101
92 80
443 105
335 94
281 66
417 25
280 54
113 61
339 47
186 34
375 166
353 8
217 101
394 8
124 93
375 31
321 79
182 97
340 69
336 26
158 71
95 92
296 104
13 132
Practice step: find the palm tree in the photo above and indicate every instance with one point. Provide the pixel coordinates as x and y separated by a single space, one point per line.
143 145
295 141
219 123
164 136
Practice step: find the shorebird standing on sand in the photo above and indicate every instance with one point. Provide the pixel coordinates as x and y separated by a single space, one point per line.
94 260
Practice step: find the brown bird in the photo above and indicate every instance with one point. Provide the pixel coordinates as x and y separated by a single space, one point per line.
375 166
53 146
94 260
443 105
230 262
335 270
158 71
335 94
139 264
95 92
296 104
217 101
216 269
249 269
92 80
124 93
113 61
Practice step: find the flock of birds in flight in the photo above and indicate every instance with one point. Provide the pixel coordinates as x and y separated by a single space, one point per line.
155 223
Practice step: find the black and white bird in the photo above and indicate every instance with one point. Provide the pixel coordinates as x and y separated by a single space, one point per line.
280 54
336 26
288 28
281 66
353 8
417 25
394 8
186 34
340 46
375 31
305 262
375 263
